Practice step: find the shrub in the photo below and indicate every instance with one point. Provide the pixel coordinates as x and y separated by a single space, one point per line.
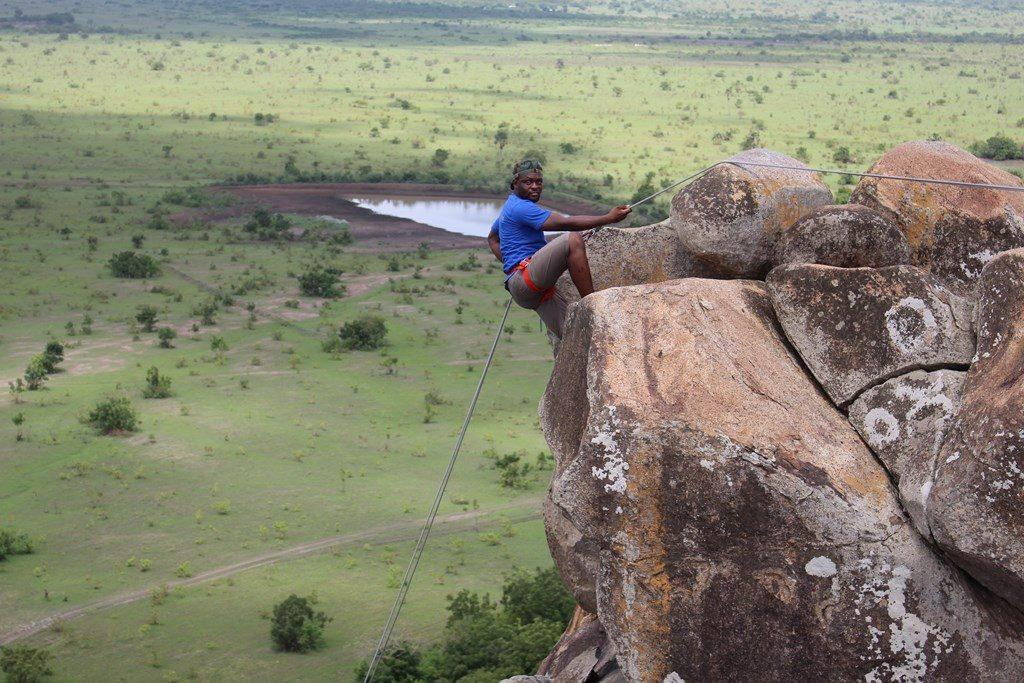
157 385
320 280
399 663
128 264
998 148
53 354
13 543
113 414
36 372
296 626
25 664
164 336
267 226
217 343
512 472
206 310
365 333
842 155
146 317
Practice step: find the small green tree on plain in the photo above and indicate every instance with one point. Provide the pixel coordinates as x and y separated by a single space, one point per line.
53 355
113 414
13 543
206 309
365 333
295 626
128 264
164 336
147 317
157 385
321 280
36 372
842 155
24 664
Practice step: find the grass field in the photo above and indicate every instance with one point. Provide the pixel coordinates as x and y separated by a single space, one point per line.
269 443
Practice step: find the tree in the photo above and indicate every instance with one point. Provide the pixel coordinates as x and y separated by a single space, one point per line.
13 543
365 333
25 664
440 157
157 385
529 598
998 148
842 155
137 241
128 264
321 280
398 664
53 354
164 336
206 309
147 317
113 414
35 373
296 626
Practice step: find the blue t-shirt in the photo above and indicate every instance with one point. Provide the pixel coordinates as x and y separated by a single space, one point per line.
518 227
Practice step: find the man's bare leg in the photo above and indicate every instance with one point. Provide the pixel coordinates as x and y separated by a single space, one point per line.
579 267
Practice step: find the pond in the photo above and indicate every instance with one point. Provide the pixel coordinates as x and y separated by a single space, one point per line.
464 216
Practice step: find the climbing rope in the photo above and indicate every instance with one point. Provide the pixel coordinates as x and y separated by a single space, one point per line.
432 514
834 171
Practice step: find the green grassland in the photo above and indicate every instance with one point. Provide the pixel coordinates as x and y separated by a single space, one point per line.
273 443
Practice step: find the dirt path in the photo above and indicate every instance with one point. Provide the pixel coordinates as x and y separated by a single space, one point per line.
388 533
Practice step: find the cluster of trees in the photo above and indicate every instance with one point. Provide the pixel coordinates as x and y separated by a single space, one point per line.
998 148
267 226
44 364
25 664
486 640
14 543
321 280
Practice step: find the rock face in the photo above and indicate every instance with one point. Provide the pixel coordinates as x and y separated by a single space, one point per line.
583 653
731 216
976 509
856 327
847 236
904 422
952 231
737 526
633 256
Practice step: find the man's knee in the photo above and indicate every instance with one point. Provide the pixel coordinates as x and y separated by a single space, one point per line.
576 244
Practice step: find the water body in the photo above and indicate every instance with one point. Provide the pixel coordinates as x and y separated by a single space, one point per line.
464 216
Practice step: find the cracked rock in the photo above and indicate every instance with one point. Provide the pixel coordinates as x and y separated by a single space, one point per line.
847 236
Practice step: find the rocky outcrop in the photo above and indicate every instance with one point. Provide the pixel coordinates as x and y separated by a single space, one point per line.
731 216
847 236
713 509
976 508
723 493
632 256
904 422
857 327
952 231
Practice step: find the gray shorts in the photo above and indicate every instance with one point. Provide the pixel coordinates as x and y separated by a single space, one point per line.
546 266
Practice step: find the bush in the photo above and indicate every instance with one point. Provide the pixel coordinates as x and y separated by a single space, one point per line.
157 385
131 265
267 226
164 336
12 543
320 280
296 626
36 372
998 148
146 317
512 472
25 664
399 664
206 310
53 354
365 333
113 414
842 155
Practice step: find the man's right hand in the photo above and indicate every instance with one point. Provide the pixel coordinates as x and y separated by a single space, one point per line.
618 213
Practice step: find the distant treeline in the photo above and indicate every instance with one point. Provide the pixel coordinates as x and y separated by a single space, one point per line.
53 18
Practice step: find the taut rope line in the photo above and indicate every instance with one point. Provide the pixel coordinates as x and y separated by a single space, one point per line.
429 523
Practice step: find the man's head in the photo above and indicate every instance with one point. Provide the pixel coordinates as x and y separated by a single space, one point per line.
528 179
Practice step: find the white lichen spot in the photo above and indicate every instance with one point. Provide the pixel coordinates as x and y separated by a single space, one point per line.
709 465
821 566
673 678
614 467
882 427
911 324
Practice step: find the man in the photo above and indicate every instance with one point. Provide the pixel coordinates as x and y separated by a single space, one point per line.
531 264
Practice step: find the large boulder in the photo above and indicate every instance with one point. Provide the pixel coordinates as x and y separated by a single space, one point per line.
857 327
635 256
976 508
732 215
904 422
845 235
741 529
952 231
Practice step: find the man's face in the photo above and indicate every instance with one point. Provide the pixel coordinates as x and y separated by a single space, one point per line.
529 186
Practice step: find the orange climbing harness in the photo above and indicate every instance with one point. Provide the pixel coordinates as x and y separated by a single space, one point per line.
545 293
